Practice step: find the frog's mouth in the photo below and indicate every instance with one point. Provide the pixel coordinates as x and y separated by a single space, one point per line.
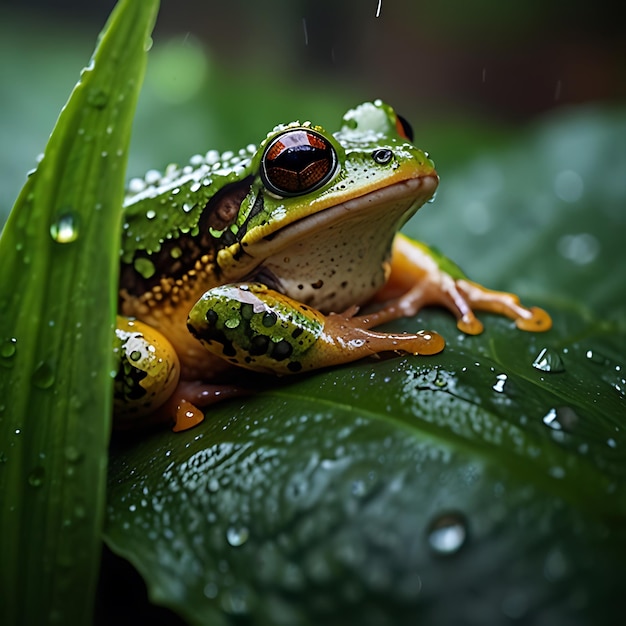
338 256
370 216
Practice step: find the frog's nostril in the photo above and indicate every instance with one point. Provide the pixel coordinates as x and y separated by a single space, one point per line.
382 156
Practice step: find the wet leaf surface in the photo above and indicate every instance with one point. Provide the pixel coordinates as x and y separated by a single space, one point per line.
481 485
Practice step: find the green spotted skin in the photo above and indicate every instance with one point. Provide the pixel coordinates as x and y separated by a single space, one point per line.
253 327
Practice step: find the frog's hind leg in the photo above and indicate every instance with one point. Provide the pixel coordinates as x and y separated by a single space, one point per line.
421 276
148 388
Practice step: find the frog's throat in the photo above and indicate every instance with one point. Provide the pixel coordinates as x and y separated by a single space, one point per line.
389 207
338 257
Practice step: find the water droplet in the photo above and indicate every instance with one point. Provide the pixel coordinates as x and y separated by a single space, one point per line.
501 381
581 249
43 376
72 454
237 535
562 418
236 600
448 533
568 186
557 472
8 348
548 360
36 477
596 357
97 98
144 266
150 214
211 590
65 228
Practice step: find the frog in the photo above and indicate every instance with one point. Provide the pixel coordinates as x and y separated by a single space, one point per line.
281 258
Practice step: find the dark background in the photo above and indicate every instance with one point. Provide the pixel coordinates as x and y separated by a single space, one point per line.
221 74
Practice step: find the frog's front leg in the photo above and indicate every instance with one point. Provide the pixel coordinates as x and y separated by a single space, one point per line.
260 329
148 388
421 276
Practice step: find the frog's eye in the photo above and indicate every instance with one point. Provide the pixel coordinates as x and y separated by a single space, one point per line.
404 128
298 161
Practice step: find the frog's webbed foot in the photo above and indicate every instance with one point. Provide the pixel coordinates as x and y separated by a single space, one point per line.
260 329
421 277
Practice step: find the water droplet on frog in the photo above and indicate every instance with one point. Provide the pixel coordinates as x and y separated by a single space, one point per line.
36 477
237 535
8 348
448 533
65 228
43 376
548 360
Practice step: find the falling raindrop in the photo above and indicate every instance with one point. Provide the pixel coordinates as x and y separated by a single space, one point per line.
548 360
447 533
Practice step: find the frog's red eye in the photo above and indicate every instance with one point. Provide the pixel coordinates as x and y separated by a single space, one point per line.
298 161
404 128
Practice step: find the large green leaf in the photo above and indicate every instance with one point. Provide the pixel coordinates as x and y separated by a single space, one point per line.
478 486
59 253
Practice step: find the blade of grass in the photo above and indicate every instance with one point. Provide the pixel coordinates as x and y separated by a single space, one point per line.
59 253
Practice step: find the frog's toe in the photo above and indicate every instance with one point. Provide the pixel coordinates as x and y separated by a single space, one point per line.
182 408
186 416
536 320
469 324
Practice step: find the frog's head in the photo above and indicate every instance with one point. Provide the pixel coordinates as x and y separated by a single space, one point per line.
323 207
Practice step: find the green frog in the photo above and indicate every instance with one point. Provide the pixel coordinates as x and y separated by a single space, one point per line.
262 259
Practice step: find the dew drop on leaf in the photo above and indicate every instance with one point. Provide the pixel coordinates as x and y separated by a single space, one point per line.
562 418
43 376
548 360
447 533
8 348
36 477
97 98
65 228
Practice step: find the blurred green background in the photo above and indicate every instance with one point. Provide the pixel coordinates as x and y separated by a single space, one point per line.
476 80
222 73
